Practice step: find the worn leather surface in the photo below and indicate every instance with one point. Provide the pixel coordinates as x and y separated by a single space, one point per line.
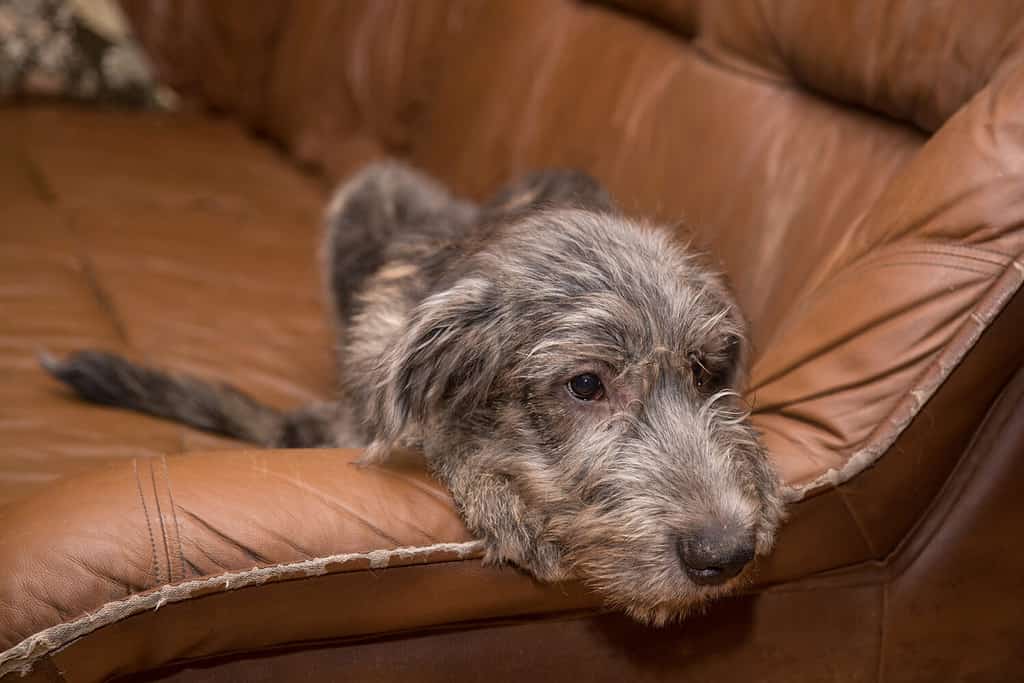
855 167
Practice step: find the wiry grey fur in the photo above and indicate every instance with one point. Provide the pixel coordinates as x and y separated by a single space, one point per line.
460 327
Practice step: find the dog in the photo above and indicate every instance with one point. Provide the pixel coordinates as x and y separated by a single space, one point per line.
570 374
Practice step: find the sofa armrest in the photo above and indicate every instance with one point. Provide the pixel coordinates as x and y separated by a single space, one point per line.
158 560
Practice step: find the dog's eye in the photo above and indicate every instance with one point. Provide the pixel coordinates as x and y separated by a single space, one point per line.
702 377
586 387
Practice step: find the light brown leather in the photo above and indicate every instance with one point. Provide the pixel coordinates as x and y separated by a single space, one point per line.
856 167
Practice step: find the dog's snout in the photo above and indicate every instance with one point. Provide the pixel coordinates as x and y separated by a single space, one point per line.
715 554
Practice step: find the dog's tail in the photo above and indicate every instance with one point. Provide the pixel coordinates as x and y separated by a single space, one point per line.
111 380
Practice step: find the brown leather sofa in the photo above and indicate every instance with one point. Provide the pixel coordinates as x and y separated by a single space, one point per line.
858 168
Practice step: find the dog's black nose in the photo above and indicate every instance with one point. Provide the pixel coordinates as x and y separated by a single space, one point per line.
714 555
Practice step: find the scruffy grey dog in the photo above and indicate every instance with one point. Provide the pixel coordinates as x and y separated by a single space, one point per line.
571 376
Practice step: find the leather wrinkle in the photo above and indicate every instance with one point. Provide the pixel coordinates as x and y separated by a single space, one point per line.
434 495
822 351
96 287
37 178
283 538
213 560
841 280
860 382
335 504
992 132
175 527
45 601
106 578
174 516
768 77
207 526
414 483
649 19
917 224
769 31
784 410
787 80
62 615
145 514
851 511
875 259
757 73
194 570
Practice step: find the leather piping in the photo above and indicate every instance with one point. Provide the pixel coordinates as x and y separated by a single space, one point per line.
22 657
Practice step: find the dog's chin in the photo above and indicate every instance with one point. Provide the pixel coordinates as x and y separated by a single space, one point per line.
666 599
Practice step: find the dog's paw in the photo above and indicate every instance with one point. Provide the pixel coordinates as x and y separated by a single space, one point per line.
541 559
494 512
546 563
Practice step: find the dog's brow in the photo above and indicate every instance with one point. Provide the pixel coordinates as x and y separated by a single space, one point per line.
675 357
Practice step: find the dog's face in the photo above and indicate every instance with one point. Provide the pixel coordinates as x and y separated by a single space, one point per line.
595 364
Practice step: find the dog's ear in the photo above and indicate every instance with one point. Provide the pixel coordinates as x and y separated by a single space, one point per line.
549 189
443 364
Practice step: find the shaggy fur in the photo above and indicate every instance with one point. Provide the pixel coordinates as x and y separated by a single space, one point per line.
468 331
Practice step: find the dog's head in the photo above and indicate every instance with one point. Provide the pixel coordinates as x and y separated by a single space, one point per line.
595 364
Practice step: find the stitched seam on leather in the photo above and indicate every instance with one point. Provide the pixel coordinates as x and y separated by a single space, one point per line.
893 255
946 266
149 525
160 518
174 517
22 657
